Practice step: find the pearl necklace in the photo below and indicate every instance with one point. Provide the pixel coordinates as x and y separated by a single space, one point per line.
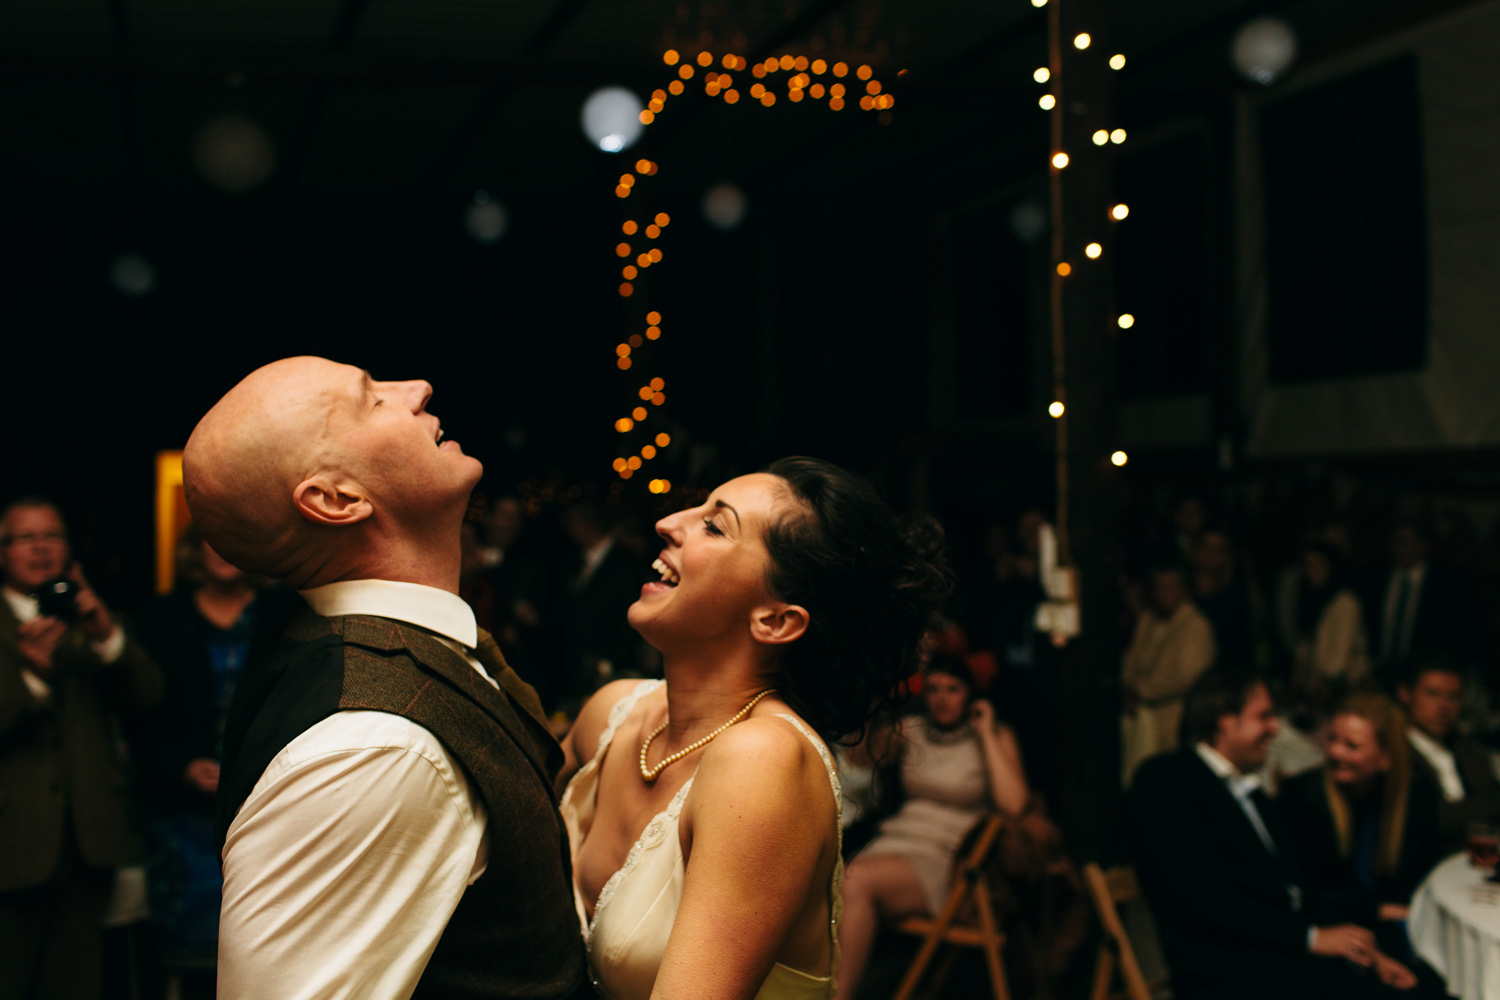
650 773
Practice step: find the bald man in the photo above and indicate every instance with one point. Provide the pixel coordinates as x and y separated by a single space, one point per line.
386 813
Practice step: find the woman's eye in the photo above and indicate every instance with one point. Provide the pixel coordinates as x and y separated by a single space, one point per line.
710 527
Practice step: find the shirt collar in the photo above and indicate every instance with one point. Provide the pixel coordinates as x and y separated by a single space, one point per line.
426 607
1240 784
1428 746
23 606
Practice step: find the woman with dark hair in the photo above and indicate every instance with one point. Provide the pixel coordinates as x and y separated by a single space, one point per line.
706 848
1331 649
1367 834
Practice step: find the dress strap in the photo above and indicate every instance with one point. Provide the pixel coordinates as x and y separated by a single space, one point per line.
836 904
618 714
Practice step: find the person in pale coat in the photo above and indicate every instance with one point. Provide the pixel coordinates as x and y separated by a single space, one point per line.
1331 650
1173 645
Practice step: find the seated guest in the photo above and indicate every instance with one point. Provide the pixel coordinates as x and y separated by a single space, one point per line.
1172 646
1366 832
1455 767
1221 592
955 763
1220 868
1330 648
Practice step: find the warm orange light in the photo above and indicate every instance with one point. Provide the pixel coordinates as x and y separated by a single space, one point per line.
621 191
757 90
1119 458
864 72
705 59
648 116
1060 160
840 69
652 332
623 350
675 86
725 80
659 95
867 102
796 96
685 71
836 103
623 250
643 259
645 392
670 57
662 218
816 90
666 486
639 413
653 317
837 90
731 96
1116 62
787 62
622 363
663 439
819 67
658 398
1120 211
1092 251
1056 409
772 64
1126 321
654 105
728 61
768 99
655 254
633 462
1042 74
757 71
617 464
872 88
658 384
628 228
624 424
654 486
653 231
1117 136
648 451
626 180
1082 41
628 272
712 88
800 63
1065 269
625 473
626 290
1101 137
635 340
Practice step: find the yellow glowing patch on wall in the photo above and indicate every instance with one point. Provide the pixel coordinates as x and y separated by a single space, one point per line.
171 516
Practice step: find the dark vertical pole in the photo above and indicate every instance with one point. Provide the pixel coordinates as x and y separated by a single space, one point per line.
1085 364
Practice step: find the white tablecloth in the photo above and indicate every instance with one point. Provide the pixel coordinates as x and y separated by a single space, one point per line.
1455 925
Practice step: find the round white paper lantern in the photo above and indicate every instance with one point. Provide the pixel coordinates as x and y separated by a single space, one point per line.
1263 49
724 206
612 119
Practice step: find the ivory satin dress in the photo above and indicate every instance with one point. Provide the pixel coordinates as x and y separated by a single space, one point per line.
637 907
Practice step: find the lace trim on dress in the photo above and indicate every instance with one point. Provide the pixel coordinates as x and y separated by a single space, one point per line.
655 832
836 903
617 716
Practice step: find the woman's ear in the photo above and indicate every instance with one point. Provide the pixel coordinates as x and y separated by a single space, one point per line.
322 501
774 624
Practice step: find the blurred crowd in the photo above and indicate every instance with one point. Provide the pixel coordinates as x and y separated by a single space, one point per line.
1360 694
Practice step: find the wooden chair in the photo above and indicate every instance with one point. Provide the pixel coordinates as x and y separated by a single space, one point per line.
967 918
1108 889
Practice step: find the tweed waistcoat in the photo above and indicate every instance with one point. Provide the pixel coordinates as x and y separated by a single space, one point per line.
515 932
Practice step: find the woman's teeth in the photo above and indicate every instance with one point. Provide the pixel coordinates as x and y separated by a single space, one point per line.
668 574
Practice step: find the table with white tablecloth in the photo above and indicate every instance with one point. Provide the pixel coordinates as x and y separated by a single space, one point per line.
1455 925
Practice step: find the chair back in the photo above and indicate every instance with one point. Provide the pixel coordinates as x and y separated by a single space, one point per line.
1109 889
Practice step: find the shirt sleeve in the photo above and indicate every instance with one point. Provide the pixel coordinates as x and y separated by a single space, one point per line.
345 863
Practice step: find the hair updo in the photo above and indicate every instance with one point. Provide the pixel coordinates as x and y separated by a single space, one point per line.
870 583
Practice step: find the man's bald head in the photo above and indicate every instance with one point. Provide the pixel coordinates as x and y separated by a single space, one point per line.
304 447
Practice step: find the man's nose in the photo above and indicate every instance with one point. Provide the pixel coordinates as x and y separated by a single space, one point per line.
415 393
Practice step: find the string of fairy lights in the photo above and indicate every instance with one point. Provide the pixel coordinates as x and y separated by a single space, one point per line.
837 83
1063 262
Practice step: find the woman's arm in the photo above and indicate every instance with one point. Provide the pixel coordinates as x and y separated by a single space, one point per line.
583 738
760 829
1002 760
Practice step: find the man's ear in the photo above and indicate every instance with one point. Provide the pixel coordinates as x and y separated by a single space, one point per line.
774 624
322 501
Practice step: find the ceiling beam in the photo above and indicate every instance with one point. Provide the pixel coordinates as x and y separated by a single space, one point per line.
295 160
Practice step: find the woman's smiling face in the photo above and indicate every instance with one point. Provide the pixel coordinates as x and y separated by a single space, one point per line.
714 565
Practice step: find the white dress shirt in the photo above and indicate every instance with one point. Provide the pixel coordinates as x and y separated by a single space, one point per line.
1441 759
347 860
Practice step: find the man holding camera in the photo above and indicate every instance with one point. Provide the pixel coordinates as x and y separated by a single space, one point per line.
66 667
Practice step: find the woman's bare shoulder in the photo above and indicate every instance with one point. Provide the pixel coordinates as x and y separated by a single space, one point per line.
583 738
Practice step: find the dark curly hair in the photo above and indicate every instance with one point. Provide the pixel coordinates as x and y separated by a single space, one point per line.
871 584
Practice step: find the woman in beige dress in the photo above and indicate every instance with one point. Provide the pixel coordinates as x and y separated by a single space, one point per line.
703 812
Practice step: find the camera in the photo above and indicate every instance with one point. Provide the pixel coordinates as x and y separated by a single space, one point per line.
58 599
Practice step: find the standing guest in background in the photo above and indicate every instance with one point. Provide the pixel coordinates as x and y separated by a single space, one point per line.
1454 767
1173 645
1221 592
1331 653
385 808
1237 917
67 669
1367 833
1416 605
519 583
202 635
596 641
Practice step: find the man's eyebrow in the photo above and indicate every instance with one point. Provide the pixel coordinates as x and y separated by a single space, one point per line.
721 505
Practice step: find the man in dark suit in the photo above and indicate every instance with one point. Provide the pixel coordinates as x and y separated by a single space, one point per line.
596 641
65 815
1415 605
1456 769
1221 871
386 805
